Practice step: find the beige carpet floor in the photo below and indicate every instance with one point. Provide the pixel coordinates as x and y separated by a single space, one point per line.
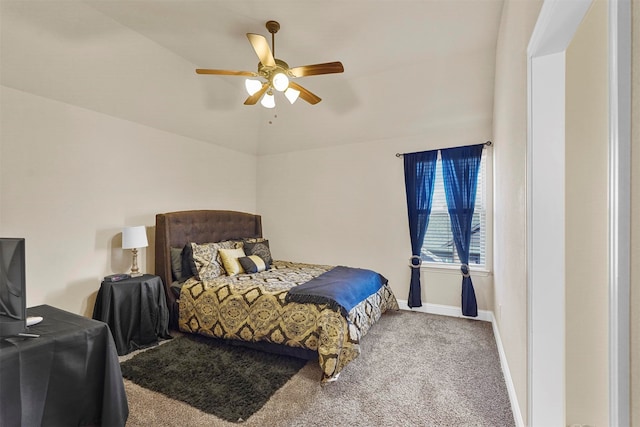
415 369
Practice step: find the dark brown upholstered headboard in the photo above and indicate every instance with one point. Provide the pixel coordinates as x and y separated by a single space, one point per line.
176 229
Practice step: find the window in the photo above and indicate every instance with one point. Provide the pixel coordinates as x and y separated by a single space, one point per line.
438 246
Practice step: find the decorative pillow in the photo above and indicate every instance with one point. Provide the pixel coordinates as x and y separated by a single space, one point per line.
261 249
176 263
230 260
188 266
206 263
253 239
253 264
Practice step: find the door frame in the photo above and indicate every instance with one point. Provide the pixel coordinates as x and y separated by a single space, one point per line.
557 24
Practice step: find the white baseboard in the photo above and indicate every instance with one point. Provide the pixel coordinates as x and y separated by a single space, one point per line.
486 316
446 310
513 398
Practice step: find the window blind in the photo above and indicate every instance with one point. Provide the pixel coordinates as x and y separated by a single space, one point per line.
438 246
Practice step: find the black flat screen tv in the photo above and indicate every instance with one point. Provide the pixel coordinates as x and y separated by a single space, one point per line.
13 301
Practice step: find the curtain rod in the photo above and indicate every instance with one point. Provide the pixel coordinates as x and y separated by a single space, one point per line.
487 144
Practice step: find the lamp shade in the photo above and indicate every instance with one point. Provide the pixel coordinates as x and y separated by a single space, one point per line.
268 101
292 94
134 237
252 86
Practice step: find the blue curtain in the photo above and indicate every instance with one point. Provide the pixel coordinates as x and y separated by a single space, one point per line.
460 168
419 176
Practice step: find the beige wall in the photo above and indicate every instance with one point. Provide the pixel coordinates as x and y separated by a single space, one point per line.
635 221
347 205
370 207
71 178
510 136
586 221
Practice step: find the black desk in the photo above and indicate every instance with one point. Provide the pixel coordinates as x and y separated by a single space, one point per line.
69 376
135 310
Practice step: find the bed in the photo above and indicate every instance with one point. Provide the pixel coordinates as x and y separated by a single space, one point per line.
307 310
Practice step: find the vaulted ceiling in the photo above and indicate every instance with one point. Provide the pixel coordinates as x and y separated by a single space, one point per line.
409 65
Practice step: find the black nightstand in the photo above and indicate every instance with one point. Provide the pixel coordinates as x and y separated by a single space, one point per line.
68 376
135 310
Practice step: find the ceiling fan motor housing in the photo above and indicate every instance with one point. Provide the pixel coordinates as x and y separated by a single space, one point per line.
280 67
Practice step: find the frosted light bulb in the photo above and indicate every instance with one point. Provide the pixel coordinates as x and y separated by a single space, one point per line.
280 82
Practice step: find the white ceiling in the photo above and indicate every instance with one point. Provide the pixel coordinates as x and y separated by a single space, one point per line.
409 65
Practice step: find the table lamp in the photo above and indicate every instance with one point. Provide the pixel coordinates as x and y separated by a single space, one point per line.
134 238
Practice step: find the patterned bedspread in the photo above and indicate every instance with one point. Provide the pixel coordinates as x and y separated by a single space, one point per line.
252 307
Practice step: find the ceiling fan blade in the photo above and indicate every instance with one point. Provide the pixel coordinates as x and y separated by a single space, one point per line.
316 69
254 98
261 46
226 72
305 94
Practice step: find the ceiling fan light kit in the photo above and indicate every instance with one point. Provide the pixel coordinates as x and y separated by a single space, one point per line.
275 74
268 101
252 86
292 94
280 82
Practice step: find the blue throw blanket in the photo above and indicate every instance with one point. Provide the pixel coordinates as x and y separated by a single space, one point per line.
341 287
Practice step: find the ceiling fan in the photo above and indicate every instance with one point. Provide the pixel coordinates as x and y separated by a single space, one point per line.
275 74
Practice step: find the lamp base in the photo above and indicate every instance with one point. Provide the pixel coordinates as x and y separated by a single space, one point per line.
135 272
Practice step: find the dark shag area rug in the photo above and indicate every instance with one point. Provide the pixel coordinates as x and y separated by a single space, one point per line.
225 380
